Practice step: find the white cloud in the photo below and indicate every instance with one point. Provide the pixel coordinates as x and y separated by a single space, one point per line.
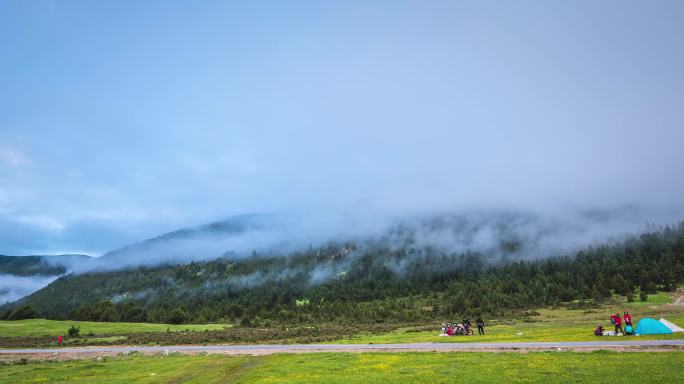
42 222
12 158
15 287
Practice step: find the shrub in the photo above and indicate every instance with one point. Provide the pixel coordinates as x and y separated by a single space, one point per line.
74 331
177 316
643 296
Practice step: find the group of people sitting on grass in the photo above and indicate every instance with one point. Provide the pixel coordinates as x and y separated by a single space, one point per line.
451 328
616 320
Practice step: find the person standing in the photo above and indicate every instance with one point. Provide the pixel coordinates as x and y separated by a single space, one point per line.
628 319
60 340
618 323
480 325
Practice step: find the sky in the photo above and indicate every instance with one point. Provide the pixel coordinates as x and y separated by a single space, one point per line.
121 120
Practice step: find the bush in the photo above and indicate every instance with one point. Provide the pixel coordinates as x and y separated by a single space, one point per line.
74 331
630 297
177 316
643 296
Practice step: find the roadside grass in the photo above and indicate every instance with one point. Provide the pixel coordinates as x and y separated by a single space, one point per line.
548 367
95 340
419 367
135 368
41 327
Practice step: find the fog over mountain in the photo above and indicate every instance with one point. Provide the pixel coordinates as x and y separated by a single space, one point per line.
500 235
14 287
22 275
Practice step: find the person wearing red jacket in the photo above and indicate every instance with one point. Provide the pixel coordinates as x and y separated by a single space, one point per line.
615 319
628 319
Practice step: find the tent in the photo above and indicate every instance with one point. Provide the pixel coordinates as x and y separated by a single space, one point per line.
673 327
649 326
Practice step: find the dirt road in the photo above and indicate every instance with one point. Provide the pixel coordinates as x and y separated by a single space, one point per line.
265 349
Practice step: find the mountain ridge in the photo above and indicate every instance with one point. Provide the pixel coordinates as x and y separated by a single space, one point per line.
363 283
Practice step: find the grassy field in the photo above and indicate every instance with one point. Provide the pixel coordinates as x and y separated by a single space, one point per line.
548 367
550 324
544 324
40 327
518 331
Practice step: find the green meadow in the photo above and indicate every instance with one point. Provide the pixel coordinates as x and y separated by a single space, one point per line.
547 367
542 324
545 324
41 327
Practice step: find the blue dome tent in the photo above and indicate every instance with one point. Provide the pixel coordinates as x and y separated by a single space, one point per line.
649 326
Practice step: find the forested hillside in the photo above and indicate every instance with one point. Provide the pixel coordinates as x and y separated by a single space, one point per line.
371 283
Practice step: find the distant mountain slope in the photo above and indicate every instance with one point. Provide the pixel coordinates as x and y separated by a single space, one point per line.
39 265
249 251
499 235
364 282
203 242
232 226
22 275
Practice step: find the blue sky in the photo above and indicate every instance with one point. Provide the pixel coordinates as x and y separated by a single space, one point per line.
124 119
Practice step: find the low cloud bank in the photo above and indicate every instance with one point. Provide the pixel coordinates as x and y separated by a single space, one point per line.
500 235
15 287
